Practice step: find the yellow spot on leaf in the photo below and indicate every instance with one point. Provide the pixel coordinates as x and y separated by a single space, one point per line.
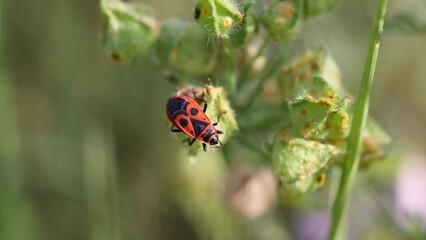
279 21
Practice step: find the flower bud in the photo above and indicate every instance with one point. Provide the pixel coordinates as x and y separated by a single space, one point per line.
281 18
129 29
184 47
217 17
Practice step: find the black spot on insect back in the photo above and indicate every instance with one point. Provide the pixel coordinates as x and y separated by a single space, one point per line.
183 122
193 111
197 13
198 126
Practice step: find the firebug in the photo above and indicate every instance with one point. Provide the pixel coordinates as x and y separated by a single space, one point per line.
187 116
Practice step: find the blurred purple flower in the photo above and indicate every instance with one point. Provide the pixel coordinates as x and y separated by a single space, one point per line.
312 225
410 190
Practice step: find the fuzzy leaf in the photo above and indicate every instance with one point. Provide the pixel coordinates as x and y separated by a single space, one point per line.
219 106
374 139
298 162
318 113
303 68
183 46
281 18
217 17
129 29
308 184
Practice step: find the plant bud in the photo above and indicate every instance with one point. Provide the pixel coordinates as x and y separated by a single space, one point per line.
281 18
129 29
184 47
217 17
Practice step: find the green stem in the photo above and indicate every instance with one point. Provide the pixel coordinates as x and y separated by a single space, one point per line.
269 71
337 230
229 75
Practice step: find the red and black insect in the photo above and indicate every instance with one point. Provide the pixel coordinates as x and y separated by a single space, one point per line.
187 116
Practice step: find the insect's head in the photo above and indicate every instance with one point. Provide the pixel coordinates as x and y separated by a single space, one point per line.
215 140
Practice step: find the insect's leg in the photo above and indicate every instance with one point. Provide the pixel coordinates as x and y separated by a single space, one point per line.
190 142
201 100
175 129
218 118
219 132
204 147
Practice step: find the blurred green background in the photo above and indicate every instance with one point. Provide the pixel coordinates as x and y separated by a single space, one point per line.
85 152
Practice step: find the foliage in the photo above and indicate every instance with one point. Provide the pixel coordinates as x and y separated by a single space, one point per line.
315 112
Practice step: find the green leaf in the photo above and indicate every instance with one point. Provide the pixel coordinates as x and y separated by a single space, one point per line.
375 131
315 88
184 47
217 17
282 18
129 29
171 32
219 106
374 139
305 185
318 113
298 162
301 69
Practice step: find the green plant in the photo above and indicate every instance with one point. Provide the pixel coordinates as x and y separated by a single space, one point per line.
354 147
299 101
